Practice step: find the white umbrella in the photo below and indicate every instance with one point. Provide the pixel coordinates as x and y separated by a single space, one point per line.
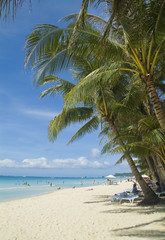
110 176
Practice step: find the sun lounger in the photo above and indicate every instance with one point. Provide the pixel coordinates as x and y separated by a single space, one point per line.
115 197
123 196
160 193
129 198
114 182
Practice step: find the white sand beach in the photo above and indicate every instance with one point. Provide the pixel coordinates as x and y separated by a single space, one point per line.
81 214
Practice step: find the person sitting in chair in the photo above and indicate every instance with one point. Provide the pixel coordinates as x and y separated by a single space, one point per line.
157 187
134 189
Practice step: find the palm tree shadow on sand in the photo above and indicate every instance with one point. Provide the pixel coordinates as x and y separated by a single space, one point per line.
138 231
134 231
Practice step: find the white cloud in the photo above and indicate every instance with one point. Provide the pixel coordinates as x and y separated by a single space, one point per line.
81 162
39 113
8 163
35 163
95 152
106 163
70 163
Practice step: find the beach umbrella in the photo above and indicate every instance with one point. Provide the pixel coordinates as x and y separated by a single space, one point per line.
110 176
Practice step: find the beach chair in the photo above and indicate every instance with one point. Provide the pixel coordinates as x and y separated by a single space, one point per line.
129 198
160 193
115 197
114 182
123 196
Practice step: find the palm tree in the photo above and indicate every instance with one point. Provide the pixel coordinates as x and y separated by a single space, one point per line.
140 130
104 107
142 24
69 115
141 50
48 52
145 141
145 46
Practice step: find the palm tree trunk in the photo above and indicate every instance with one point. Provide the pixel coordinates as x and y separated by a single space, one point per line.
152 170
158 109
161 171
149 194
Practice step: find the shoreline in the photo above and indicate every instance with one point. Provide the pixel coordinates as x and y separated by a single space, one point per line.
80 214
19 187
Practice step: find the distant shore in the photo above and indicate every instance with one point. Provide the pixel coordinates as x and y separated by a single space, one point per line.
80 214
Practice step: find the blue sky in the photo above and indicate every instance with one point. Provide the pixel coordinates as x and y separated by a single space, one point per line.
24 145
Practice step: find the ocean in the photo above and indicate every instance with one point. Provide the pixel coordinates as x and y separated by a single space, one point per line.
12 187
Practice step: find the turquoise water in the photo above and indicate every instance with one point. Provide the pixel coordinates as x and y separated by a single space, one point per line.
21 187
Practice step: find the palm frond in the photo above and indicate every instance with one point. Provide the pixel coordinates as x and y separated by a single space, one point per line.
147 124
51 64
80 22
89 127
9 7
159 32
93 19
66 117
71 17
120 160
59 86
115 8
136 148
107 147
91 82
45 39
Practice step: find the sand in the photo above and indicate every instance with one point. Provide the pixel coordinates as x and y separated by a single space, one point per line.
81 214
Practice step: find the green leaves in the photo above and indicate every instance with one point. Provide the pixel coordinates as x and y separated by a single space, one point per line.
159 31
47 51
9 7
110 62
59 86
91 83
89 127
151 131
66 117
